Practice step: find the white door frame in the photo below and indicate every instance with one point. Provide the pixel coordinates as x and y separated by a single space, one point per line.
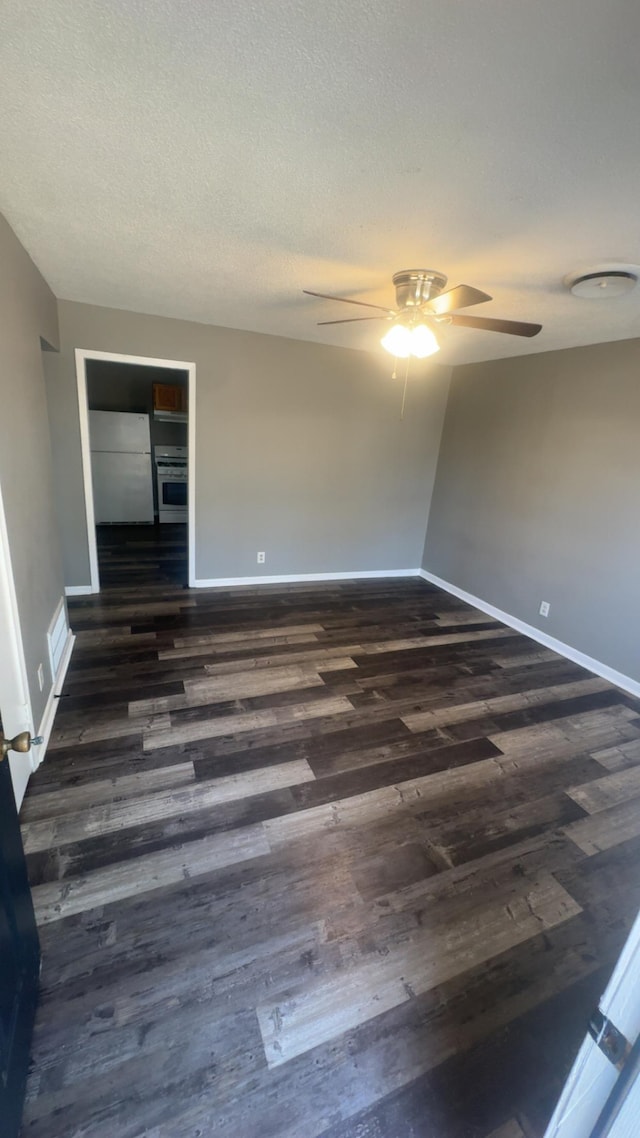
82 355
593 1076
15 699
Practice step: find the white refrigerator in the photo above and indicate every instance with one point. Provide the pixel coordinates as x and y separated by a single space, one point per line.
121 467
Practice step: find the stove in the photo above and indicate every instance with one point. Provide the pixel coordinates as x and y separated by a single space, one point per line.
172 477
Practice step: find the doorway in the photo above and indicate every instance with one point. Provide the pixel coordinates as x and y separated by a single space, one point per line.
137 427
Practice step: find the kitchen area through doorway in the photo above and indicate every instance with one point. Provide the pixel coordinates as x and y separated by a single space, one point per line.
138 437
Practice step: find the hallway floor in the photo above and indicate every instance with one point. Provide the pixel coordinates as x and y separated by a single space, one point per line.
142 555
348 859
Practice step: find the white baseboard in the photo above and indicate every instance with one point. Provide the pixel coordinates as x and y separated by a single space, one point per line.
78 590
596 666
51 706
291 578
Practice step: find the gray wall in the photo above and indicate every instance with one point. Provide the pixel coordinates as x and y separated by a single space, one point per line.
300 448
28 312
537 490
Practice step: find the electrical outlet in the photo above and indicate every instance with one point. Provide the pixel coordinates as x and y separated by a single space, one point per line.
544 608
41 676
262 558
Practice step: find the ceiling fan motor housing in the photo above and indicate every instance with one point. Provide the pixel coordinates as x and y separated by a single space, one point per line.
414 287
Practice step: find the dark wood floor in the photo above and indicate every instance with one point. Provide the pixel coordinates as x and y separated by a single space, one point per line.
142 555
348 860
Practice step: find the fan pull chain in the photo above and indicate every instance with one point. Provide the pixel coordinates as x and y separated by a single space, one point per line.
404 390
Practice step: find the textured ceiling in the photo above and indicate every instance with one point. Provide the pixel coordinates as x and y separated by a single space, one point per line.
208 160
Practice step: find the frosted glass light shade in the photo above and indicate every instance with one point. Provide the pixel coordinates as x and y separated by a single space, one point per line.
403 342
398 341
423 342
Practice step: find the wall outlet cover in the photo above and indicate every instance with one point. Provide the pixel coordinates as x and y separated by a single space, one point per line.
544 608
261 558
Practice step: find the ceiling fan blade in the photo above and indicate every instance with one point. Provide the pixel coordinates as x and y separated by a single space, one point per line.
350 320
512 327
346 300
462 296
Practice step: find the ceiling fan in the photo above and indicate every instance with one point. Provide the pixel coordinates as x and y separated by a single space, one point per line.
421 306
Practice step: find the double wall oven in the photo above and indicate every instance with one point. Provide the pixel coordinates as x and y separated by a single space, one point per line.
172 478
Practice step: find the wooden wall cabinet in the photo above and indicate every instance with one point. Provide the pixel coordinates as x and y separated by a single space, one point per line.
169 397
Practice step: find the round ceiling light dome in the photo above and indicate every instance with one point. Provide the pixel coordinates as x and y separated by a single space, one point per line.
603 285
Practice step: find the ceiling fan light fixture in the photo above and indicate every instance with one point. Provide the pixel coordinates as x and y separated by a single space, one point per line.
402 342
423 342
398 341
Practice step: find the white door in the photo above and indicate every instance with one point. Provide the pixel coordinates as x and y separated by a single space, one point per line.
15 701
593 1076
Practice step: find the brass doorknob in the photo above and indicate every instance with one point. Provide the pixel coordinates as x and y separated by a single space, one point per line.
21 743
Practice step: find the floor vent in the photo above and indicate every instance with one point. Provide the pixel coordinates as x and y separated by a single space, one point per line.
57 637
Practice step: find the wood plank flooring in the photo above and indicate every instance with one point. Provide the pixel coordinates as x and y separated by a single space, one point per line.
346 860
